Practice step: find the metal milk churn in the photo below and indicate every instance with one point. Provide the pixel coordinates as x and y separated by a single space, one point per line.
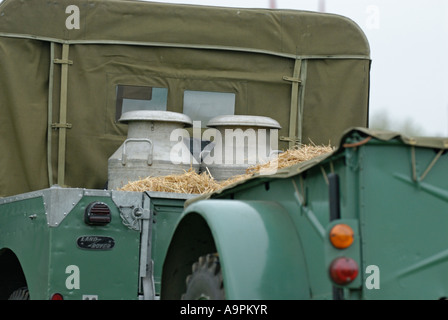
240 141
154 147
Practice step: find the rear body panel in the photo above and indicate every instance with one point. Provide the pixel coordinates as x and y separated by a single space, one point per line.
44 229
393 194
59 253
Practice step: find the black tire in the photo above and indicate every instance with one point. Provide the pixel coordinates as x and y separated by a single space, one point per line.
20 294
205 282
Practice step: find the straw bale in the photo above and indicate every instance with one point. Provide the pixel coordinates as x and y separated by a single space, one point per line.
193 183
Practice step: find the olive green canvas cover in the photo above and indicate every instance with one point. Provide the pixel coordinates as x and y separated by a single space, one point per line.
61 63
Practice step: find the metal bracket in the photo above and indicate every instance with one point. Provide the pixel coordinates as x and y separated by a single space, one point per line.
131 217
130 205
135 212
428 168
146 263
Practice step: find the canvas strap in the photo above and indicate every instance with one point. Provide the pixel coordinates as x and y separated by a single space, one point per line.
62 126
50 115
296 110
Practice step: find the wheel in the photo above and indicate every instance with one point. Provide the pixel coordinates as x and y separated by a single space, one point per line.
20 294
205 282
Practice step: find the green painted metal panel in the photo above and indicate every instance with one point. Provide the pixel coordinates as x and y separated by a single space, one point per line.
166 214
259 249
109 274
29 239
393 192
305 202
49 254
404 222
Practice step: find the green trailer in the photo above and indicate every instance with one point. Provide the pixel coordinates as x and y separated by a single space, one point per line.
366 221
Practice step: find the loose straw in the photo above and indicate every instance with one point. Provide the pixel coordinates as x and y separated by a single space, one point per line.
193 183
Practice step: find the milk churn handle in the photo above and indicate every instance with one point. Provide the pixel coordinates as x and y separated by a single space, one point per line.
124 155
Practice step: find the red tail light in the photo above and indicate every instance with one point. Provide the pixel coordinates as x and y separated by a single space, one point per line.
97 213
343 270
57 296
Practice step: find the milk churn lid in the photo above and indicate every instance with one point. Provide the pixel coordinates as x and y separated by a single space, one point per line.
243 120
155 115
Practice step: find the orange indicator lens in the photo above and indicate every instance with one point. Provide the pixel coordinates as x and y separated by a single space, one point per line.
341 236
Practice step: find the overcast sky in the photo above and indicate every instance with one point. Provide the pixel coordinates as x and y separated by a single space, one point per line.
409 49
